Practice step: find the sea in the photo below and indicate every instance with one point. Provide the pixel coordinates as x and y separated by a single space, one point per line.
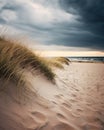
87 59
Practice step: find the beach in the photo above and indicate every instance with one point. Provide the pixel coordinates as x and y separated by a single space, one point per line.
74 102
51 64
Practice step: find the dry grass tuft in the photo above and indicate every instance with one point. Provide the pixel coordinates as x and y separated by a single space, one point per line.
15 58
63 60
55 63
58 62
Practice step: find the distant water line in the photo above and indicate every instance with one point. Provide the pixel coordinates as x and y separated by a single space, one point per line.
87 59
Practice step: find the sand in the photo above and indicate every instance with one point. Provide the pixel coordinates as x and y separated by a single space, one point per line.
75 102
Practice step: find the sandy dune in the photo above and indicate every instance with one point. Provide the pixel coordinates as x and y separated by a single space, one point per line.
75 102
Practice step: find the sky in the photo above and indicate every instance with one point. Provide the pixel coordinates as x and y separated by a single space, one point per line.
56 25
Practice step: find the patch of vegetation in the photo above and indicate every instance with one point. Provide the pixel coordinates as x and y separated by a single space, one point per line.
58 62
15 58
63 60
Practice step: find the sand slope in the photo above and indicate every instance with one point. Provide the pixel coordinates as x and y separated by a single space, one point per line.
75 102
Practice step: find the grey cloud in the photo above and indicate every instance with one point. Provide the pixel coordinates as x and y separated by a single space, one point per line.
91 15
75 23
90 8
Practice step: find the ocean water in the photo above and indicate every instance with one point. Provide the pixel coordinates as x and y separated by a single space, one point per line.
89 59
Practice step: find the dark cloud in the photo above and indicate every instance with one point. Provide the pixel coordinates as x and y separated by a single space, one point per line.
90 10
91 16
75 23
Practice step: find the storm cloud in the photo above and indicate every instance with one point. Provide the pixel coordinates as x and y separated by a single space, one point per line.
71 23
91 16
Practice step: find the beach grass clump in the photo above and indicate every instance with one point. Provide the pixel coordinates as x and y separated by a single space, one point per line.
15 58
54 63
58 62
62 60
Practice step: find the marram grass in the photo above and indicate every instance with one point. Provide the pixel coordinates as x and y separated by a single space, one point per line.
62 60
15 58
15 62
54 63
58 62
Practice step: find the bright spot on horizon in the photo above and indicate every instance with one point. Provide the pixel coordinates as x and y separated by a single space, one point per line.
70 53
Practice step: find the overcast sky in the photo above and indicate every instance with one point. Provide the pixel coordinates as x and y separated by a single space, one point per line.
67 24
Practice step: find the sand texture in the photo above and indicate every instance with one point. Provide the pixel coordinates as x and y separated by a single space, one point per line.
75 102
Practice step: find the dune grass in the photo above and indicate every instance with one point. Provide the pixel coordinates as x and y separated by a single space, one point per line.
53 63
62 60
15 62
58 62
15 58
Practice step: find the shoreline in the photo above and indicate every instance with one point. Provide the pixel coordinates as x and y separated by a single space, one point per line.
88 62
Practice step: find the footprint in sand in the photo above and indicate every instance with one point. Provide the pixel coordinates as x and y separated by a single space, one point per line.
39 117
63 126
91 127
74 95
68 113
60 96
79 110
73 100
61 117
54 102
66 105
